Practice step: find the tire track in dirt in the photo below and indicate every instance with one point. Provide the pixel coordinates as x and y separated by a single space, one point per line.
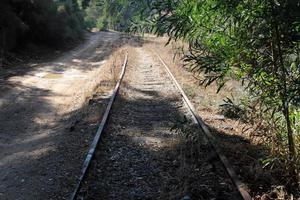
39 155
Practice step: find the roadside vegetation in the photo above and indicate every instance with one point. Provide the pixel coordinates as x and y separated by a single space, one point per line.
113 14
40 22
256 43
27 25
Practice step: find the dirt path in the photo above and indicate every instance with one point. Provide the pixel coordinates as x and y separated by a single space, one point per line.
39 152
139 157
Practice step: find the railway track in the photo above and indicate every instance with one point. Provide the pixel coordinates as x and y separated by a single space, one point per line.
139 157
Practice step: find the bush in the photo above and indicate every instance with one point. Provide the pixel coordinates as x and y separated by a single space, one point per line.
256 42
102 23
41 22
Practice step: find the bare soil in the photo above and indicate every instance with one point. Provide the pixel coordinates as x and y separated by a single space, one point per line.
43 107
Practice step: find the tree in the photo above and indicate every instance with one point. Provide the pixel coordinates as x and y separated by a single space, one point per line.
52 22
256 42
113 14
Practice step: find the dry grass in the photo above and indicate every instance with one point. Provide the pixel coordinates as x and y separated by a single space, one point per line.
235 137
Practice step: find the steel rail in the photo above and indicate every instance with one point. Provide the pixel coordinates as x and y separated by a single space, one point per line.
198 120
97 137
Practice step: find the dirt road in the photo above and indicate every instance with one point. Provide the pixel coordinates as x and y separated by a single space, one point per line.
39 152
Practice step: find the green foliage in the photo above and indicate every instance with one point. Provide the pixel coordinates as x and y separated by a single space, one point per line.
101 23
113 14
54 22
256 42
92 12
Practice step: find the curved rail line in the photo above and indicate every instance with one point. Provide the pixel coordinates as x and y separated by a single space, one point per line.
196 118
97 137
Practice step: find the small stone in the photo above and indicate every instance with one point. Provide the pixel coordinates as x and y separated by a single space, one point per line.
186 197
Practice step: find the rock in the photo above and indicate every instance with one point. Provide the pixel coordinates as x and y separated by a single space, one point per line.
186 197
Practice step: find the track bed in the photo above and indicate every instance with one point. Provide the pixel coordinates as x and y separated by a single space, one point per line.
139 156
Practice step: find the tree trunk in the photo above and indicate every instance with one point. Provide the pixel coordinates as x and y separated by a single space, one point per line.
284 97
291 144
292 151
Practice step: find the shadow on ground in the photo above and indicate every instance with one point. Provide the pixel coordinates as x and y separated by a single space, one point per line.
39 154
246 159
139 158
36 164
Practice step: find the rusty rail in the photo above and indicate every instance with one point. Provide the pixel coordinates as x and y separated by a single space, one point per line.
97 137
198 120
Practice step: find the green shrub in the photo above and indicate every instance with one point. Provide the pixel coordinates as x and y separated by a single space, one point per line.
102 23
42 22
